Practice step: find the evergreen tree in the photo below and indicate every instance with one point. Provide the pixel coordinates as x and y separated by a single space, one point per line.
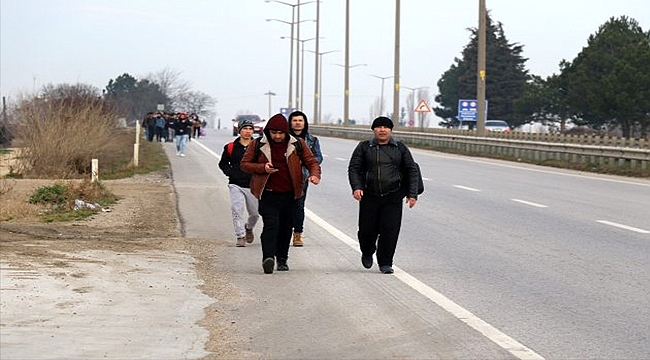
131 98
505 77
608 83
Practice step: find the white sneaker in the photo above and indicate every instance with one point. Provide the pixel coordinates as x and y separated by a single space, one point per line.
183 155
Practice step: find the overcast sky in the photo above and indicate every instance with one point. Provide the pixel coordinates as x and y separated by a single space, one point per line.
228 50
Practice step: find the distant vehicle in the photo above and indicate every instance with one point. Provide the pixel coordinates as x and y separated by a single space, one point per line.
497 126
258 124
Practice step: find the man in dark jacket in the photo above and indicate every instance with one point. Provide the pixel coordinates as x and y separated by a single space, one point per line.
277 180
239 184
375 174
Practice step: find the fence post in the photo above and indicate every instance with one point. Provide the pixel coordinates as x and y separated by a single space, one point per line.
136 146
95 170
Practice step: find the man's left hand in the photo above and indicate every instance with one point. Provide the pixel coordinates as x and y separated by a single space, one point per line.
411 202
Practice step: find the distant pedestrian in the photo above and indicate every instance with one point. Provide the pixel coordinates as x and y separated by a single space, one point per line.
241 198
277 181
160 127
375 174
182 130
299 127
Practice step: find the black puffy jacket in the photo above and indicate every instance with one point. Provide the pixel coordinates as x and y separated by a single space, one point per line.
377 169
229 164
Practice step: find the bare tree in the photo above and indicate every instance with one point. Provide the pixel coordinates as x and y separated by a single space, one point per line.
171 84
197 102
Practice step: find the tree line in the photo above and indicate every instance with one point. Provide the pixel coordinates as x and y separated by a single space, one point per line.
605 88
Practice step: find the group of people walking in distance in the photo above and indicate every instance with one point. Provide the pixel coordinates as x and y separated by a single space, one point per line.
268 177
178 127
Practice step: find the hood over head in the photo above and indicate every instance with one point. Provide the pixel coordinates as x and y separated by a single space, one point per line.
276 122
305 130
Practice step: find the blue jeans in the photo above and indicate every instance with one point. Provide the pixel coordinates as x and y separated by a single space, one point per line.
299 215
181 140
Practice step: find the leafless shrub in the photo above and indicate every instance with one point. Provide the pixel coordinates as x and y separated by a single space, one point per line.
62 131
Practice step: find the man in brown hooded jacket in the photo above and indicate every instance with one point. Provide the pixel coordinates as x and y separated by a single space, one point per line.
277 181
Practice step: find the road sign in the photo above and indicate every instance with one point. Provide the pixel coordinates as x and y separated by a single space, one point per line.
467 110
286 111
422 107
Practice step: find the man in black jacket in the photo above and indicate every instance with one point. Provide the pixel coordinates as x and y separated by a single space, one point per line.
375 174
239 184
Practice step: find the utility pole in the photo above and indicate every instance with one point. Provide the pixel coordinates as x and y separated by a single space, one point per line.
480 86
269 94
316 118
346 92
381 104
396 70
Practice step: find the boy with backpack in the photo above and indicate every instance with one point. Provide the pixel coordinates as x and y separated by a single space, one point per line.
241 198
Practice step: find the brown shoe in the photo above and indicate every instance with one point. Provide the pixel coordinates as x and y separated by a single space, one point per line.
241 242
297 239
249 236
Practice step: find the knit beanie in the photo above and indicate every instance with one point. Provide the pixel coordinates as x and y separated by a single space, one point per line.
382 121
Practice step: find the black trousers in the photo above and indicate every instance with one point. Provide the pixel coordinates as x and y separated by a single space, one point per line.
277 211
380 219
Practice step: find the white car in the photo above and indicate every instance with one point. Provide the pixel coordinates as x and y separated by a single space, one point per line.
497 126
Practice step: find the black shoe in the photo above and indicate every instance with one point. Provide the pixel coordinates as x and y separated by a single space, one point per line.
366 261
267 265
386 269
282 265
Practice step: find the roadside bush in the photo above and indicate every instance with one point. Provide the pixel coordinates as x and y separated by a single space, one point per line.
59 136
63 200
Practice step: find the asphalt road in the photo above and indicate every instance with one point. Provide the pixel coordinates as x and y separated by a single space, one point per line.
497 260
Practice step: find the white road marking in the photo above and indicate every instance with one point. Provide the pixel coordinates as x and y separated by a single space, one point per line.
466 188
504 341
207 149
511 345
530 203
341 159
621 226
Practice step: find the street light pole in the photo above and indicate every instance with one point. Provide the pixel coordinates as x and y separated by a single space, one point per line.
317 63
396 69
480 86
346 102
381 104
269 94
319 80
300 86
346 91
293 22
290 102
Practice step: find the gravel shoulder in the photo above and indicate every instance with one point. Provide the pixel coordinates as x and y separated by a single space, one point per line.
123 284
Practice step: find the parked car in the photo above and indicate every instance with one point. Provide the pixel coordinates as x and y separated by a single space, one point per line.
497 126
258 124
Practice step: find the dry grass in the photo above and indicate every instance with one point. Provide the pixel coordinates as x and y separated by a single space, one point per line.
59 138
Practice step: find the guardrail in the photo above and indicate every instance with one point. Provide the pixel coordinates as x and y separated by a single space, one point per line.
532 151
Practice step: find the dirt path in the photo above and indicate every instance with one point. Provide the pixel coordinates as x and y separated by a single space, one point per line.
123 284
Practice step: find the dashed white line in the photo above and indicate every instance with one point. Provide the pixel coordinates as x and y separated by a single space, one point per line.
511 345
466 188
530 203
341 159
621 226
